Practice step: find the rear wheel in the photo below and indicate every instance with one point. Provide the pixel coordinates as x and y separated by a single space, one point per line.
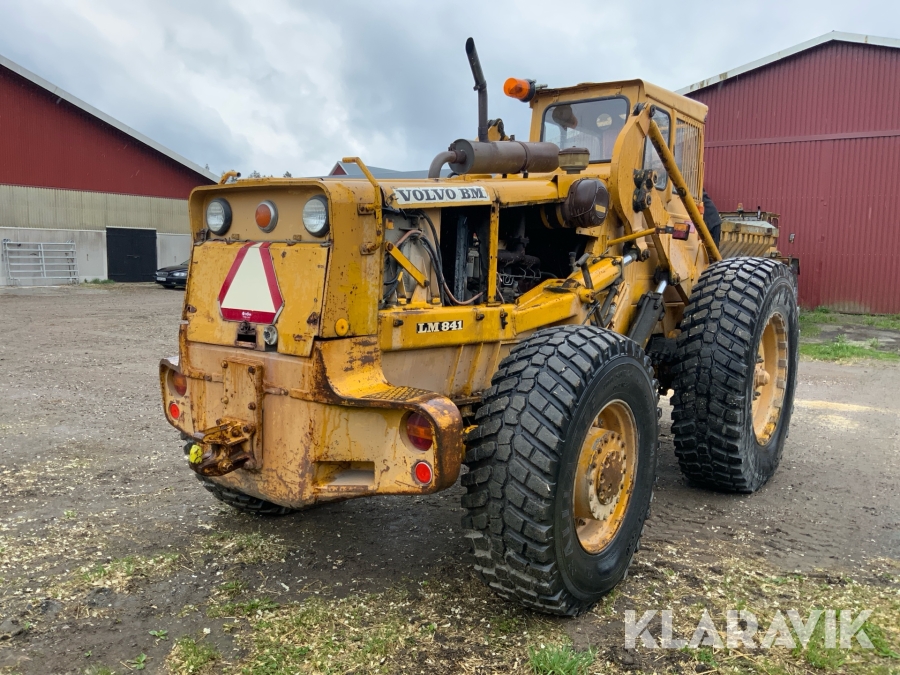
241 501
561 468
735 374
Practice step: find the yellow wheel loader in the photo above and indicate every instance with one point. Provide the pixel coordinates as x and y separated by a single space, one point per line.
518 312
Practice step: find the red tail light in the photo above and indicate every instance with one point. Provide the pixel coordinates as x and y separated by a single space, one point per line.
418 428
179 383
174 410
423 472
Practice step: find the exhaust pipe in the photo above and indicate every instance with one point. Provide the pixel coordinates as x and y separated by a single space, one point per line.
483 156
481 88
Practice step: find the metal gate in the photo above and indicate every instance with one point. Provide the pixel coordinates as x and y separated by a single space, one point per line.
130 254
34 264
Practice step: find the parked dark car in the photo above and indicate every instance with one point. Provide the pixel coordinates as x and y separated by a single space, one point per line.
174 276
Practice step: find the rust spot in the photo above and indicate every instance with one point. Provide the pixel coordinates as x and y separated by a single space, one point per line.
313 319
190 309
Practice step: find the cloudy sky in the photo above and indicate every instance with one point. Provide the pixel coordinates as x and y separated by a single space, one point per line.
276 85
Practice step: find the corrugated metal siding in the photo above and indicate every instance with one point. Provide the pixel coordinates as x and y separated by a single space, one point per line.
837 191
75 210
48 142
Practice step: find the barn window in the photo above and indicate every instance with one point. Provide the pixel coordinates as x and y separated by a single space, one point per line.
687 154
651 158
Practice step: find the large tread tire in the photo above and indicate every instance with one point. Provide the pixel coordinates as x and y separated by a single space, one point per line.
712 421
522 456
241 501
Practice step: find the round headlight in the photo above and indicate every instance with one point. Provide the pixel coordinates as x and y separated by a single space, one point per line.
218 216
315 216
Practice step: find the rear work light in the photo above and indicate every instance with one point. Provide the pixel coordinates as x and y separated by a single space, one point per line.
419 431
423 472
174 410
179 383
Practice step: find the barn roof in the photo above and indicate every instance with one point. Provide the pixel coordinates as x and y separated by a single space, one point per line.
833 36
102 116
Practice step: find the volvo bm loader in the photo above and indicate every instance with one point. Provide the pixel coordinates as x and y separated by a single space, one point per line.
346 337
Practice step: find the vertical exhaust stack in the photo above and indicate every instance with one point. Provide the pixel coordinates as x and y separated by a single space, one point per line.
486 157
481 88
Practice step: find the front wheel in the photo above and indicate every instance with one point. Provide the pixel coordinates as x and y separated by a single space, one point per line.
735 374
561 468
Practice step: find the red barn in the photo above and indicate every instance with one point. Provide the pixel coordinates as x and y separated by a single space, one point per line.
813 133
83 190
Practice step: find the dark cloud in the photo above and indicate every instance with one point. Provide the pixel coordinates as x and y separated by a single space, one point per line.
274 85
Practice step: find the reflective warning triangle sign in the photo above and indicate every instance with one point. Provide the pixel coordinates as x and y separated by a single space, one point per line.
250 291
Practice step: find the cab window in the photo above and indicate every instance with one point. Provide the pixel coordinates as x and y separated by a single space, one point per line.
651 158
593 124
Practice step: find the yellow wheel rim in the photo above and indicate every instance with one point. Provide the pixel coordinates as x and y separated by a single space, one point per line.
770 378
604 477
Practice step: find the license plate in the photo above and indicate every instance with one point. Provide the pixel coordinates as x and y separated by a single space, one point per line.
160 278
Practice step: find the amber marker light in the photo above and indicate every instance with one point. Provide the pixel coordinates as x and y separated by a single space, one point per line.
179 383
418 429
266 216
520 89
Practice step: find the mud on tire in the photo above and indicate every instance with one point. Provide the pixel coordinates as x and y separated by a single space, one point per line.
241 501
522 461
715 384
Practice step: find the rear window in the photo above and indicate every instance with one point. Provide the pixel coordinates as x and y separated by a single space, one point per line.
593 124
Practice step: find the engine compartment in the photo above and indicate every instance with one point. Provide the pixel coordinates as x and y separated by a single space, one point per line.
453 255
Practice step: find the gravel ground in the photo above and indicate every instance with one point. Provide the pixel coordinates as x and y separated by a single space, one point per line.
105 535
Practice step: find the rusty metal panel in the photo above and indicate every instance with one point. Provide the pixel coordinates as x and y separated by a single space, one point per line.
816 138
47 141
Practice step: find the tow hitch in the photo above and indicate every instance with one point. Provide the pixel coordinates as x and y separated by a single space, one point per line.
222 449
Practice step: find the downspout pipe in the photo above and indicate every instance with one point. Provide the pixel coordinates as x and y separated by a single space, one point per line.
481 88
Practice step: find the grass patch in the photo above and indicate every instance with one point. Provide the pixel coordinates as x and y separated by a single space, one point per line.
120 570
815 317
399 630
99 670
559 660
817 654
840 349
245 547
188 657
248 608
232 589
98 282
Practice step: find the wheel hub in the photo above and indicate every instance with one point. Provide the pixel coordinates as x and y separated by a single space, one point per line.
605 474
604 477
769 378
